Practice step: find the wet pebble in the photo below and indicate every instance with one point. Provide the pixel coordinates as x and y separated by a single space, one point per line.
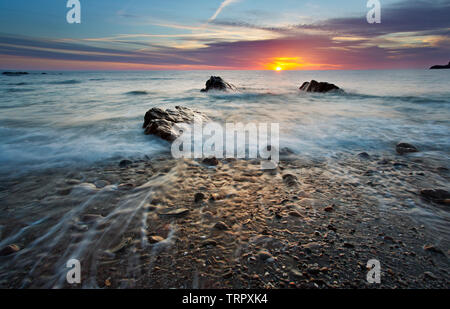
10 249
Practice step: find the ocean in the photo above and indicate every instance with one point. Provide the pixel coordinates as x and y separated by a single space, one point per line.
66 119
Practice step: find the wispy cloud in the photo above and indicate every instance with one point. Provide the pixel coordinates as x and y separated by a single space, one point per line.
221 7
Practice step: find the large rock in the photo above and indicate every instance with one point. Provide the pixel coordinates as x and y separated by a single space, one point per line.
315 86
217 83
436 67
161 122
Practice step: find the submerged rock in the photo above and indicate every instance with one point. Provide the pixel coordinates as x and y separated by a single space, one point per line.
217 83
161 122
403 148
315 86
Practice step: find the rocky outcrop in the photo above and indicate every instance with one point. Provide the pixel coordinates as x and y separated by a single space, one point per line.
404 148
161 122
321 87
217 83
437 67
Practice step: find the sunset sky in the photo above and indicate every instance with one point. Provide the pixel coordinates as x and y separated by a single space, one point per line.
218 34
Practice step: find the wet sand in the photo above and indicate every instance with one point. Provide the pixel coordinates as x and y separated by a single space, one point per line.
164 223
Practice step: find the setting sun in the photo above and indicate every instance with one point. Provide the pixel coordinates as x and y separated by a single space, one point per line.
278 69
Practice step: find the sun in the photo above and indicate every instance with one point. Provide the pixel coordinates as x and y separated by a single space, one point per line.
278 69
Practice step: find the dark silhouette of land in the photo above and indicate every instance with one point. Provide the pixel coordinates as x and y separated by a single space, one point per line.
436 67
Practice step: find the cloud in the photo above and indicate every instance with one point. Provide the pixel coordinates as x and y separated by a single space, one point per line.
224 4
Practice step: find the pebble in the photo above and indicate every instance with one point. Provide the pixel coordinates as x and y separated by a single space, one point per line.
10 249
101 184
364 155
221 226
198 197
175 213
348 245
294 214
125 163
429 274
73 182
211 161
329 208
431 248
264 255
403 148
155 239
290 180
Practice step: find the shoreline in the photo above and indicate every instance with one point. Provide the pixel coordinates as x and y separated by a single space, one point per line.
164 223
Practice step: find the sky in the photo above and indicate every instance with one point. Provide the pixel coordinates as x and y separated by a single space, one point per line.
223 35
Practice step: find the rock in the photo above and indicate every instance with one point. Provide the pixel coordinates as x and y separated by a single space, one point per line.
125 186
348 245
217 83
175 213
221 226
264 256
155 239
15 73
312 246
211 161
329 209
162 122
209 243
295 214
437 67
429 274
10 249
73 182
403 148
436 195
290 180
227 275
431 248
88 218
125 163
198 197
101 184
314 86
125 242
85 188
